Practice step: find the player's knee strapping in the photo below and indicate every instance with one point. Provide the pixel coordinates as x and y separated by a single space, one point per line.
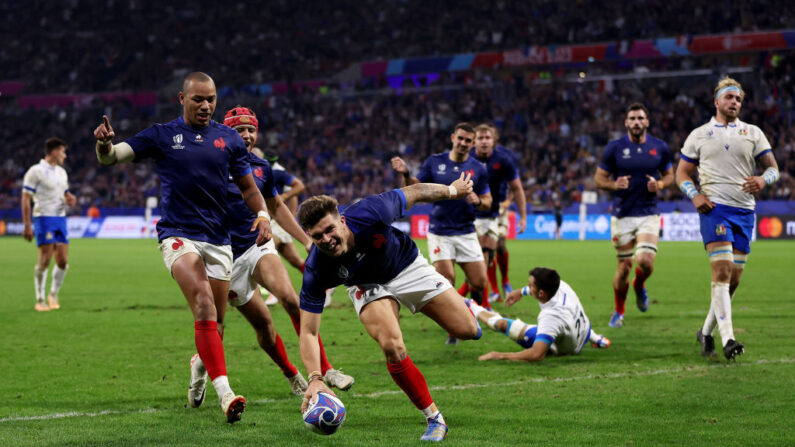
623 255
740 260
645 247
722 253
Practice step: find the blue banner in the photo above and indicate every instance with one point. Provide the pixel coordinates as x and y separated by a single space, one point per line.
543 226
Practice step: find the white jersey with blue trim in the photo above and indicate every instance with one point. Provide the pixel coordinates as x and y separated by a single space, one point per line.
562 321
725 156
47 184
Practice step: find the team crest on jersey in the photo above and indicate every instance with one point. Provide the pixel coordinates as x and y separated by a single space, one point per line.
220 144
743 132
720 230
653 152
177 142
342 272
626 153
496 166
258 172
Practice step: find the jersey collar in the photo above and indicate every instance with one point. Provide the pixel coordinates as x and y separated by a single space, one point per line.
715 122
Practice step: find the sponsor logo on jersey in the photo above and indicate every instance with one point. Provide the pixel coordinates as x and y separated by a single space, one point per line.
726 146
626 153
441 169
640 150
720 230
177 142
199 139
220 143
342 272
438 284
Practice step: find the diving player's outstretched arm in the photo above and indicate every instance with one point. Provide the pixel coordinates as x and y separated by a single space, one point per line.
432 192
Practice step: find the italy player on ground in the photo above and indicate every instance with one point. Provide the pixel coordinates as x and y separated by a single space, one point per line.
195 158
382 268
503 176
47 184
563 328
451 236
725 152
635 167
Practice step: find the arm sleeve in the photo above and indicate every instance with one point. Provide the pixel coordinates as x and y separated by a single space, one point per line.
482 185
31 181
424 174
268 188
690 150
313 290
761 145
608 161
144 144
549 328
666 161
383 208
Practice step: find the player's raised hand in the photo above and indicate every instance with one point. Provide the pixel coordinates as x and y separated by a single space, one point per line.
315 386
753 184
463 185
399 165
513 297
653 185
263 225
104 132
623 182
703 204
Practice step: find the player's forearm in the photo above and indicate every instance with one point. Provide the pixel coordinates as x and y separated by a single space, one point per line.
309 346
426 192
110 154
285 219
667 179
485 202
521 200
771 174
26 219
604 182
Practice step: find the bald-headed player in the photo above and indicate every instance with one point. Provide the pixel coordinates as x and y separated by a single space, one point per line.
195 158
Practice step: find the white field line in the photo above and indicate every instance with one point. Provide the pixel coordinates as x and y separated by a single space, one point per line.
468 386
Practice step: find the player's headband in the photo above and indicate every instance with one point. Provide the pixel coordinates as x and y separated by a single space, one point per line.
241 116
731 88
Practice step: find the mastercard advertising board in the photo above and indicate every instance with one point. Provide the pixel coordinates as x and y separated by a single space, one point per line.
776 227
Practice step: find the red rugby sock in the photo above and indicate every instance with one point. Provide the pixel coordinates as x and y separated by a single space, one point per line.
409 378
210 347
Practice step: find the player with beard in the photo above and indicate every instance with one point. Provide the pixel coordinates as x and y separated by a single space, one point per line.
725 152
452 237
635 167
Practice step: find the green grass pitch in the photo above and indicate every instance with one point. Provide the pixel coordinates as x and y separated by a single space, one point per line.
111 367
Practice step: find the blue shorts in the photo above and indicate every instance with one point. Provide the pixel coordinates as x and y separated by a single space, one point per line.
728 224
50 230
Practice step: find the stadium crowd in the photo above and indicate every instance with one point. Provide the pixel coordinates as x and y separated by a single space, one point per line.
316 39
341 145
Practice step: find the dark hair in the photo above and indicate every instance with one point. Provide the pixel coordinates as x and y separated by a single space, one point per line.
315 208
637 106
466 127
52 144
546 279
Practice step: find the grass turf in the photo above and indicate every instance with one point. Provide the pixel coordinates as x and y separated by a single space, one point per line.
111 367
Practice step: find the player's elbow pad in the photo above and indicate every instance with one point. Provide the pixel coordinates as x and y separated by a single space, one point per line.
119 153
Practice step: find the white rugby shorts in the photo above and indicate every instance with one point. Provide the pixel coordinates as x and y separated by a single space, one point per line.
217 258
242 284
462 248
625 230
488 226
414 287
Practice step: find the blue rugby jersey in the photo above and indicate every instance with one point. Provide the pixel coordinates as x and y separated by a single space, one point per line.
453 217
240 217
379 254
501 169
623 157
194 165
281 178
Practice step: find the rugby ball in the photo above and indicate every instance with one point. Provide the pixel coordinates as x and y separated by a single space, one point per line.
325 414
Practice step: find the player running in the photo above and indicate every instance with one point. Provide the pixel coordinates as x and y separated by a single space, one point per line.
503 175
195 157
382 268
47 184
451 236
563 328
640 166
725 152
